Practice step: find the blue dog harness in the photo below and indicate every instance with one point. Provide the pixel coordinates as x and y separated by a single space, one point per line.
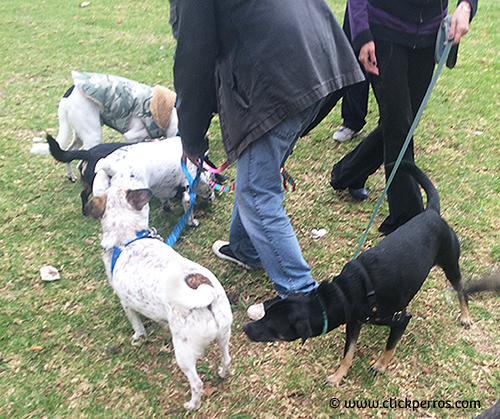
118 250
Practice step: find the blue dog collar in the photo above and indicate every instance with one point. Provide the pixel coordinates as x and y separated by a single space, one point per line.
118 250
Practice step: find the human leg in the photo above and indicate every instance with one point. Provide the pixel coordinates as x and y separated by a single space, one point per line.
260 226
396 92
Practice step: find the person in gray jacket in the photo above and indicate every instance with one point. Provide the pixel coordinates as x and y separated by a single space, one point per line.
271 70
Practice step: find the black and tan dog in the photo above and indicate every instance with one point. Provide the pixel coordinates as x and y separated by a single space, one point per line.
374 288
89 159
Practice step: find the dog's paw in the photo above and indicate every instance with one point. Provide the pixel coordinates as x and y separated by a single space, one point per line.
194 222
334 380
466 322
379 366
192 404
223 371
139 335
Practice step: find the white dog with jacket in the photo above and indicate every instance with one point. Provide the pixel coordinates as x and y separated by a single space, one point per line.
134 109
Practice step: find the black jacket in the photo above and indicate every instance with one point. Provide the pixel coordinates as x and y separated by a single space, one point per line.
257 63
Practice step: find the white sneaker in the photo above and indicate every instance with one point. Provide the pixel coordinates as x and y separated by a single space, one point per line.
256 312
344 134
222 250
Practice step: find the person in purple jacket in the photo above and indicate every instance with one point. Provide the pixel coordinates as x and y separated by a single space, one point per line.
395 41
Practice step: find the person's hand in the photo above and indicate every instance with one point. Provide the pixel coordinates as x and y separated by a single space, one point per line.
368 58
459 25
194 159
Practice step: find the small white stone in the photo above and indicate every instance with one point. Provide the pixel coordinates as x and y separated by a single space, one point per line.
49 273
318 234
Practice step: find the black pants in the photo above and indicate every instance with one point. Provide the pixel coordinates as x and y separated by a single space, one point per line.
355 99
399 89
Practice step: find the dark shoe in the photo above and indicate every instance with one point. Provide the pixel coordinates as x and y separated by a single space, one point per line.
358 194
221 249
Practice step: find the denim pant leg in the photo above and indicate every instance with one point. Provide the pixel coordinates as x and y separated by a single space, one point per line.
261 233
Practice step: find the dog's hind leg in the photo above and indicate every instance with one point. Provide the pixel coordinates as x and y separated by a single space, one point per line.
223 340
136 322
448 261
394 337
187 354
352 335
65 131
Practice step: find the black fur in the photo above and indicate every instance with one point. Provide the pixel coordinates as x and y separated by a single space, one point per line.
492 413
395 269
91 157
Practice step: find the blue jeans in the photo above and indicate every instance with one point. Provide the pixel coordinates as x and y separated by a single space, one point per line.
261 234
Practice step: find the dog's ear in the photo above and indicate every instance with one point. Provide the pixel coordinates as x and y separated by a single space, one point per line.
96 206
138 197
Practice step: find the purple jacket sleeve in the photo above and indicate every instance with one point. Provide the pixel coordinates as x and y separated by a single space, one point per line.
358 20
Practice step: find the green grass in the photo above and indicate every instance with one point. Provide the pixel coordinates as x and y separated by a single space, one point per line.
65 347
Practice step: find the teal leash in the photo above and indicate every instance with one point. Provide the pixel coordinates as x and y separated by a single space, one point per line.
442 60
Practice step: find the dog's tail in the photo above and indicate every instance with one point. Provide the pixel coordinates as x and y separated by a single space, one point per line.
193 290
432 194
488 283
65 156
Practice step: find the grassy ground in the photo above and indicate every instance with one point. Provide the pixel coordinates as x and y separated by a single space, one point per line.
66 348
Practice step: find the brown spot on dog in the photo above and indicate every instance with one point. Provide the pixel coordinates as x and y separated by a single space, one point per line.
138 197
96 206
195 280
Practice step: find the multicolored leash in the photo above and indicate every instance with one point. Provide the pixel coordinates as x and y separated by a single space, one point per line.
193 185
287 179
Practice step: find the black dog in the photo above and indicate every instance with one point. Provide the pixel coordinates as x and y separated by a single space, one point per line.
374 288
88 159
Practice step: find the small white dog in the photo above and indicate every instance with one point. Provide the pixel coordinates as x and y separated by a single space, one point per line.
154 165
152 279
136 110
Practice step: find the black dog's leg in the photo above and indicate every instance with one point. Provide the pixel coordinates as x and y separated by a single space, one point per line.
449 263
394 337
84 195
351 338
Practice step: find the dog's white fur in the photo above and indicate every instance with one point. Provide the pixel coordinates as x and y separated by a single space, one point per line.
154 165
151 278
81 116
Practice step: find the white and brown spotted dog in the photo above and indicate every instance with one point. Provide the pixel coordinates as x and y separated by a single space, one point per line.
152 279
134 109
154 165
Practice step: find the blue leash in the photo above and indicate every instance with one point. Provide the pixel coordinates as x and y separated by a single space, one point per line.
193 185
442 60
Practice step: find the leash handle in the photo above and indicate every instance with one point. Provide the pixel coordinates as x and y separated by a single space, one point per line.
193 185
210 169
442 60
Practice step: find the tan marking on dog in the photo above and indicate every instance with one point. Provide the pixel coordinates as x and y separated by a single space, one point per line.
96 207
195 280
465 317
336 378
381 365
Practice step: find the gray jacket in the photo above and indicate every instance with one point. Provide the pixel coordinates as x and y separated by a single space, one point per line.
255 63
120 98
